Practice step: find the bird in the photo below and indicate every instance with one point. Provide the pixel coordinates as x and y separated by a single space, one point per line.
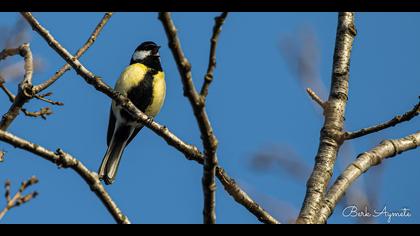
143 82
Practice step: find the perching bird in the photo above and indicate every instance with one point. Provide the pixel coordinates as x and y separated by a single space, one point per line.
143 82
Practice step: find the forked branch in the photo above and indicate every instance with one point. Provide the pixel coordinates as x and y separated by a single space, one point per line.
386 149
19 198
65 160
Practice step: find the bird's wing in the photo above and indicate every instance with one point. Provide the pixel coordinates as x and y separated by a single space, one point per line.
111 126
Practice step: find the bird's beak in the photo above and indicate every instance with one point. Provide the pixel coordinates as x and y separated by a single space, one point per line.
156 50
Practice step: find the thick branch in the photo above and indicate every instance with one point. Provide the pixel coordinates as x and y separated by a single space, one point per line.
208 78
330 140
386 149
65 160
393 122
18 199
197 102
25 87
191 152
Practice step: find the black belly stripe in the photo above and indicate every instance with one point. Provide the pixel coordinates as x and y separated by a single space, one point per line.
141 95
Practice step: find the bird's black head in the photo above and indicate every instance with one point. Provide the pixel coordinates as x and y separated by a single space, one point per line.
147 53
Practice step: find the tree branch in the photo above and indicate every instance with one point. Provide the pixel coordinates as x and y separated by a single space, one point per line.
191 152
25 87
43 112
208 78
79 53
393 122
316 98
243 198
18 199
9 94
42 98
386 149
65 160
330 140
198 104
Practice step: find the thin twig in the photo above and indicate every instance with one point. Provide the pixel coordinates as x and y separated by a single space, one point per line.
18 199
316 98
9 94
78 54
330 140
197 102
42 98
208 78
393 122
43 112
65 160
191 152
386 149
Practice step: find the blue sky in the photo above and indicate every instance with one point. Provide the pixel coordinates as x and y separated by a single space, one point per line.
256 103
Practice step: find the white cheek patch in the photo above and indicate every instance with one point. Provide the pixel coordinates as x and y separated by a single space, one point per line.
140 55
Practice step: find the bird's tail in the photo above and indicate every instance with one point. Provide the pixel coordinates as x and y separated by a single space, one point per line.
112 158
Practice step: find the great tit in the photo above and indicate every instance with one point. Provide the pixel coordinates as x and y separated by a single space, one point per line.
143 82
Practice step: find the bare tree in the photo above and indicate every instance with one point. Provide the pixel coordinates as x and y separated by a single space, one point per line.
319 201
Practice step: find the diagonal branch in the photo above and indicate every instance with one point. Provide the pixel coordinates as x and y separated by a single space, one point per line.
386 149
330 140
243 198
79 53
208 78
42 98
65 160
9 94
191 152
393 122
198 104
18 199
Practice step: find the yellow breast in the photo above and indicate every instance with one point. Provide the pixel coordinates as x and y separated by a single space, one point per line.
133 75
159 93
130 77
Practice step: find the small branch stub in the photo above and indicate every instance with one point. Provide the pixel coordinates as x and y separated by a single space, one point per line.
316 98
